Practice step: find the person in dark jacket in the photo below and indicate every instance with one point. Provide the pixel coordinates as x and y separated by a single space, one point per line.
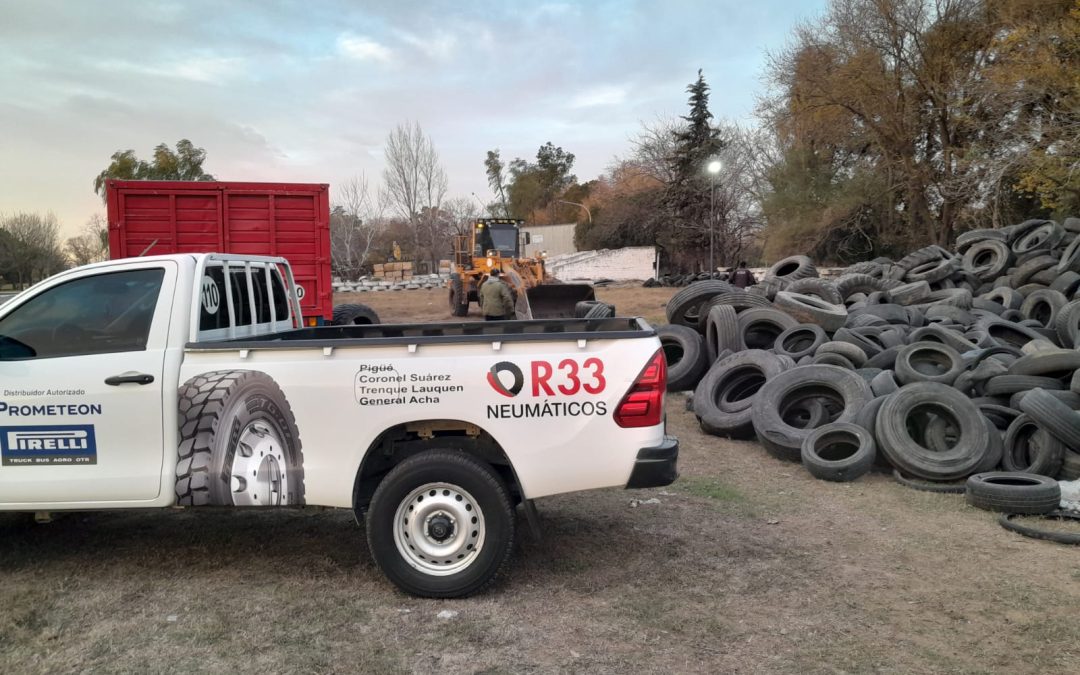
742 277
496 299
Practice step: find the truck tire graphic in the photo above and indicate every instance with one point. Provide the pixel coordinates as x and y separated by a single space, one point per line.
239 445
441 525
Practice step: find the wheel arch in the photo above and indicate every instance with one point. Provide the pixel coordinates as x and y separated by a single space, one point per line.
401 441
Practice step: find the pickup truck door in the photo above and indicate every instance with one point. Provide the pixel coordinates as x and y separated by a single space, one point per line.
81 370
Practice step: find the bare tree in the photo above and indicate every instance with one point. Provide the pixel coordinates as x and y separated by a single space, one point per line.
355 221
92 245
32 247
415 183
654 146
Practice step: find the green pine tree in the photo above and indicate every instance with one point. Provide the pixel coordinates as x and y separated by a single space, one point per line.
696 144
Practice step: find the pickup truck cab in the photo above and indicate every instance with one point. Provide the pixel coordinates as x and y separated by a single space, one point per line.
189 380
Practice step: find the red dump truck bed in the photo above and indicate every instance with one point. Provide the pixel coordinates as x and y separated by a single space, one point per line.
291 220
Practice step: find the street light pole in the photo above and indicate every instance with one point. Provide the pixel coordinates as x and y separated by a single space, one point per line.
587 212
714 170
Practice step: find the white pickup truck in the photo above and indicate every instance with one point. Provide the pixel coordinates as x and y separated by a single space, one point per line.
188 380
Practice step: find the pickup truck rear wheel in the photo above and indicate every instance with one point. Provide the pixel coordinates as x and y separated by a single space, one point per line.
441 525
239 445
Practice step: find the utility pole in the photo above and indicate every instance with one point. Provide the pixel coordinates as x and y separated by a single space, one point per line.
714 171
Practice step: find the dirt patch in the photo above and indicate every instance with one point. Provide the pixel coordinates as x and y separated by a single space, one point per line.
433 305
746 564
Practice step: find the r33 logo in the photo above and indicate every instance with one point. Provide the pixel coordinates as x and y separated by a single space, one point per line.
568 377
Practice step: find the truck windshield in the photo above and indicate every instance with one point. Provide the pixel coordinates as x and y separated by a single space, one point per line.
503 239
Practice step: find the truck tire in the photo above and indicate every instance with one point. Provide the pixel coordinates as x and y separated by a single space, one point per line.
601 310
838 452
354 314
842 391
239 445
904 414
1029 449
459 300
1013 492
684 352
724 399
441 525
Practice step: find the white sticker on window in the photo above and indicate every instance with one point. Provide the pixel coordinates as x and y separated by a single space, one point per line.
300 291
211 296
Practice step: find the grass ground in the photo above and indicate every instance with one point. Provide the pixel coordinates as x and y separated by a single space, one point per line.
746 564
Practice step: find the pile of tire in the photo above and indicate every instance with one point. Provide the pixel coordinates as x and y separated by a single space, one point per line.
676 280
955 370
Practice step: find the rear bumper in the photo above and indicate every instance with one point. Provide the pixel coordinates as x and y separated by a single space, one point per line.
655 466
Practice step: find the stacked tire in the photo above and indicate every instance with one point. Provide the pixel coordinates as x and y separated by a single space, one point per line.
958 371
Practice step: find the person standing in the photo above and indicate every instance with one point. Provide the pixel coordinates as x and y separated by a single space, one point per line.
496 299
742 277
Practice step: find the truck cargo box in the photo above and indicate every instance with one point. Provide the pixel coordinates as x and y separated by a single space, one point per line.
291 220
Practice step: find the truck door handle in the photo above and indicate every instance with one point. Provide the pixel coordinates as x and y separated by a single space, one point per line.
133 378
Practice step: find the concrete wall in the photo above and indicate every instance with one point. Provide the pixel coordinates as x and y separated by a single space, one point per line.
621 264
555 240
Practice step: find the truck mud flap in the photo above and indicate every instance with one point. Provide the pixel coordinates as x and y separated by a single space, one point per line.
656 466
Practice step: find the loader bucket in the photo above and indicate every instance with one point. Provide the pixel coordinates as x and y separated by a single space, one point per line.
556 301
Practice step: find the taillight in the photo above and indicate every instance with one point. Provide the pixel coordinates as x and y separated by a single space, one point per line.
643 405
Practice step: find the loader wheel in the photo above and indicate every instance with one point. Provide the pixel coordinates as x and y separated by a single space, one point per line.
459 300
239 445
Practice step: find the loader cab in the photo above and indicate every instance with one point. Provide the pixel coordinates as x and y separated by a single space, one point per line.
502 235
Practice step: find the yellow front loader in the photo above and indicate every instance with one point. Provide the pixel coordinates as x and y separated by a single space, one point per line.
496 243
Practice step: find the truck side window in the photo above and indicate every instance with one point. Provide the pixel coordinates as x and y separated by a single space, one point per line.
99 314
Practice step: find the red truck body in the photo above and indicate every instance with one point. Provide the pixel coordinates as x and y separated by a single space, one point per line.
291 220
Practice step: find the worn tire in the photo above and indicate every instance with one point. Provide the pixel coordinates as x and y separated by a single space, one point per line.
452 471
799 341
792 268
601 310
1006 521
940 487
1013 492
809 309
760 327
1030 449
844 389
722 331
725 397
893 429
223 412
1054 416
354 314
928 362
684 352
838 452
683 308
822 289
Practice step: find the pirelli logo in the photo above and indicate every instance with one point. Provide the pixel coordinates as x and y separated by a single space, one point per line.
52 444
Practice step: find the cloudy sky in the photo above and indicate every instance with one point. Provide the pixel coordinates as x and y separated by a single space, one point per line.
307 91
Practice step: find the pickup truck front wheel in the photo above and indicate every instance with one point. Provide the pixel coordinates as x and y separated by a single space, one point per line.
441 525
239 445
